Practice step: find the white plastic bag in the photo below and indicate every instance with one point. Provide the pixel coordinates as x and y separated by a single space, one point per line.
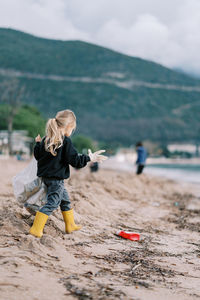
29 189
25 176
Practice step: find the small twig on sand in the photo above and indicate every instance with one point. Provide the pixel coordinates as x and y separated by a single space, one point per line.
137 266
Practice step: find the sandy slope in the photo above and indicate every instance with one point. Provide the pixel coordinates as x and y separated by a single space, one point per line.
94 263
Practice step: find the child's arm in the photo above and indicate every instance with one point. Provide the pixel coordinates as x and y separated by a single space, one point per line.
75 159
37 147
36 150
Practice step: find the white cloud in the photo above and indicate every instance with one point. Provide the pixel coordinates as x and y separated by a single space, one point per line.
163 31
141 38
45 18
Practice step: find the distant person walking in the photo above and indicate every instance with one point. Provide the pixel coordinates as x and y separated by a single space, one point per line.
141 157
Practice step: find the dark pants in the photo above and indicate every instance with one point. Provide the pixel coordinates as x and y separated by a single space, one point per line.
56 196
139 169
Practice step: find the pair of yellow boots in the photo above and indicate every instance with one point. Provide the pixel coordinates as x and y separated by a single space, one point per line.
41 219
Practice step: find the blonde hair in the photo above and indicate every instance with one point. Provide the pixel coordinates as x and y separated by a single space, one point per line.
54 130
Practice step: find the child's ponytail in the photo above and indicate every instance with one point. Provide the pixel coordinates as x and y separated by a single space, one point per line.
54 137
54 134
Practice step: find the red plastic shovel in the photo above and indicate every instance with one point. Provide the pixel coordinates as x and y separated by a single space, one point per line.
129 235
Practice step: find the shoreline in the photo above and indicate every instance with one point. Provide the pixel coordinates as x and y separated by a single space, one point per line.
181 161
178 175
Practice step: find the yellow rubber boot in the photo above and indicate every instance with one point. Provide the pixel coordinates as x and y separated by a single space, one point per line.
38 224
69 221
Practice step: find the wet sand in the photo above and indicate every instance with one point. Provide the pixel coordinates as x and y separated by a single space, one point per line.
94 263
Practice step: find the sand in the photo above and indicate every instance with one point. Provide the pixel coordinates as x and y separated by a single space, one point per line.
94 263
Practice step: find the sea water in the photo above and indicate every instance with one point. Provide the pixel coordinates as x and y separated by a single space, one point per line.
179 172
183 172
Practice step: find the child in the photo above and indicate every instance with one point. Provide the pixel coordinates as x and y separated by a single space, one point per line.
94 167
54 153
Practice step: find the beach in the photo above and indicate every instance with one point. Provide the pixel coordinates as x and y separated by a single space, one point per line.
94 263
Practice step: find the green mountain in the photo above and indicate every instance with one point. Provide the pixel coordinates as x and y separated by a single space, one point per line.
116 98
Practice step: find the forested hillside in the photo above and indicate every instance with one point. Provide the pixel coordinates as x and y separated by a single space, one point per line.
117 98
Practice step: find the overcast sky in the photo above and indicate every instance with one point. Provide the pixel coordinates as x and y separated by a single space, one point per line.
165 31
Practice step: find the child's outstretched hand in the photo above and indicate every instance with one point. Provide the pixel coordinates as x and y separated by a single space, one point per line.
38 138
96 157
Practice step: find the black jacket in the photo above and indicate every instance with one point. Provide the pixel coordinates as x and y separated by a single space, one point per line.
58 166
